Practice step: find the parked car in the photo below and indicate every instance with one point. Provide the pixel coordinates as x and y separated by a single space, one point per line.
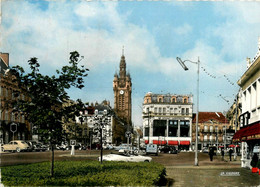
40 147
16 146
121 146
205 150
169 149
152 149
126 158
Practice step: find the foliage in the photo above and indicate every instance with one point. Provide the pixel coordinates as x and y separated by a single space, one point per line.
47 107
47 94
85 173
258 164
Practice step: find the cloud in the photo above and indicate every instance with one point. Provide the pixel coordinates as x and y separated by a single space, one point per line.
183 29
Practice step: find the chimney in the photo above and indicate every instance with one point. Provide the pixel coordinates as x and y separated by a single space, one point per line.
248 62
5 58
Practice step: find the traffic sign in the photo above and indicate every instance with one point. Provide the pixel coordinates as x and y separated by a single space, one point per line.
13 127
127 134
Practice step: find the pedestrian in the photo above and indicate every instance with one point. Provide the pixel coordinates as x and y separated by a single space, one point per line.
230 154
211 153
222 154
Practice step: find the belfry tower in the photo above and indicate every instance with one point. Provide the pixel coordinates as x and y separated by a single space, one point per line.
122 87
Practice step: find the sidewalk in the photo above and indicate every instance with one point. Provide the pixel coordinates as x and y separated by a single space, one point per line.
216 173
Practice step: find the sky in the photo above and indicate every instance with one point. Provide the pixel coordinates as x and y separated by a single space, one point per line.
221 35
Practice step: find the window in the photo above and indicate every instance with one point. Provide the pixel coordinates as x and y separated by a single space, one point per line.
211 128
155 110
164 110
160 110
205 138
173 128
184 128
6 115
187 111
175 110
146 131
185 100
159 127
183 111
12 118
205 128
216 129
6 92
174 100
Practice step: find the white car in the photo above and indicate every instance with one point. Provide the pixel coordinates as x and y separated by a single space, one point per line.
16 145
126 158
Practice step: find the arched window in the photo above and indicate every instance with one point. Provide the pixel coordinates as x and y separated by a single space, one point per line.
205 128
211 128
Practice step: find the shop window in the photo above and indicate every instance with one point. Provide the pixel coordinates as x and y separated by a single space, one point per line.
184 128
173 128
159 127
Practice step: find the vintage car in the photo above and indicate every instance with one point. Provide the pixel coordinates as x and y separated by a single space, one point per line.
16 145
126 158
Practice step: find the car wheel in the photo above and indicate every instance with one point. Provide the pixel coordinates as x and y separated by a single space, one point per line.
18 149
146 161
3 150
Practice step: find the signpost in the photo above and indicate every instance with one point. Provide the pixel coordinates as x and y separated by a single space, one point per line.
13 129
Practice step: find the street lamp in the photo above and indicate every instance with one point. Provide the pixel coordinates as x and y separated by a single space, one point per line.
101 120
197 114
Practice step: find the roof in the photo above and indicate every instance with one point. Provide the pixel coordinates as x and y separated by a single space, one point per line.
207 116
3 66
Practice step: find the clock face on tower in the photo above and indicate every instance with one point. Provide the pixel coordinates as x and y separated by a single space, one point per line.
121 92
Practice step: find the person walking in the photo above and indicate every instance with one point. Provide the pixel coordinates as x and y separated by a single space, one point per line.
211 153
222 154
230 154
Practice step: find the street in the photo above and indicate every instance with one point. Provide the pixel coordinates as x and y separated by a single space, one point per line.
179 167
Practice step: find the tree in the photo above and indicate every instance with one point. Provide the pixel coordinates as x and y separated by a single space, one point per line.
47 95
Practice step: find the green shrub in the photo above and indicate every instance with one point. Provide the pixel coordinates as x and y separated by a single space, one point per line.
85 173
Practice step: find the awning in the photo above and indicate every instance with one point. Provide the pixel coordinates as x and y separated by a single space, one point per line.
172 142
251 132
184 142
160 142
146 142
232 145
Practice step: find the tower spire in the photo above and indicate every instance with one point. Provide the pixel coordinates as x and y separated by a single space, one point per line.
123 51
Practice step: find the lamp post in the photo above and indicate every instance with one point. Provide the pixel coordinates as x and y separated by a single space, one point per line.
148 125
101 120
197 113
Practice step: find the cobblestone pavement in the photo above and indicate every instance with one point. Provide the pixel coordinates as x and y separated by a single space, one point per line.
182 172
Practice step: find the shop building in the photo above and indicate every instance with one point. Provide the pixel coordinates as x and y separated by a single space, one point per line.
167 119
249 133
